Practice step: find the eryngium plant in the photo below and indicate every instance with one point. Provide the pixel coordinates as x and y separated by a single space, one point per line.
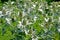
30 20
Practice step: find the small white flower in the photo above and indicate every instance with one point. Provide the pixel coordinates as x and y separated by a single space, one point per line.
26 31
51 6
34 39
24 13
58 29
28 23
8 13
18 13
46 19
12 2
4 8
25 5
40 10
41 25
8 20
1 14
35 18
58 5
36 2
34 5
20 24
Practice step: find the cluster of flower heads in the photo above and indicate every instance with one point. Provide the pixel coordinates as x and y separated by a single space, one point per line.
28 20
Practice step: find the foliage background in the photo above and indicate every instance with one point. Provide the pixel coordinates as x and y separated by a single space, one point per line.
30 20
